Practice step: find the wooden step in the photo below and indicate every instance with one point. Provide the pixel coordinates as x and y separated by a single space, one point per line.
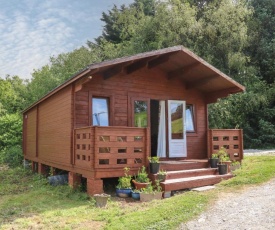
190 173
192 182
183 165
187 173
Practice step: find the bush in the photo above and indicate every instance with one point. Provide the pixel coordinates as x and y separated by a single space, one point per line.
12 156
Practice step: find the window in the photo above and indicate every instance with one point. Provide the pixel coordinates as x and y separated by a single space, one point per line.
176 111
100 111
190 127
140 113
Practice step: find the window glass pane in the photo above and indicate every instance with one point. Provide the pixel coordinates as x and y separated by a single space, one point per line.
100 112
140 111
176 120
189 118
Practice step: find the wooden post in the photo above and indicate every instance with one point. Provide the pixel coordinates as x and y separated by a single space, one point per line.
42 169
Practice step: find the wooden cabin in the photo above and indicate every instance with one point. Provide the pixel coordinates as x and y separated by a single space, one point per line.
116 113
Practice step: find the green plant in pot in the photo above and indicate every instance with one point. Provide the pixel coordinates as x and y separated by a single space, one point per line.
136 194
154 164
222 167
214 160
124 189
141 179
235 165
161 176
151 192
224 161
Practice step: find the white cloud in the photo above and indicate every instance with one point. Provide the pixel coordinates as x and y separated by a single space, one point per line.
32 31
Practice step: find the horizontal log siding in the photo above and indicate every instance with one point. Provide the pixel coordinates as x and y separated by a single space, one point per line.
30 141
54 130
151 84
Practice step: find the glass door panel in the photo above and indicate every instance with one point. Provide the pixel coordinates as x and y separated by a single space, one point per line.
176 129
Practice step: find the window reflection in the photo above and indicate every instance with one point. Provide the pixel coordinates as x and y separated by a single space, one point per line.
100 111
190 118
176 120
140 112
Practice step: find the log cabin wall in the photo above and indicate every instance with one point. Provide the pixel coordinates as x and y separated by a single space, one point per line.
54 132
143 84
30 133
48 129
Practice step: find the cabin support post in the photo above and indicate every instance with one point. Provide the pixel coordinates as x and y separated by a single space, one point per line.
34 167
42 169
74 180
53 171
94 186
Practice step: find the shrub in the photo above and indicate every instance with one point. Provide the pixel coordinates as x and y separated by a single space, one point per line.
12 156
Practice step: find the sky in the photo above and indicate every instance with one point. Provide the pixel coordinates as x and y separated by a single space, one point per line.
31 31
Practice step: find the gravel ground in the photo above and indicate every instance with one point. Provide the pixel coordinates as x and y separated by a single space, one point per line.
253 208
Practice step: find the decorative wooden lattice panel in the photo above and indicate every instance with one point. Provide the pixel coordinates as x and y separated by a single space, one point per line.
118 147
83 147
231 139
110 147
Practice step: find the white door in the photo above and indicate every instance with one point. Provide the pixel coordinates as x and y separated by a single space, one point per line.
176 129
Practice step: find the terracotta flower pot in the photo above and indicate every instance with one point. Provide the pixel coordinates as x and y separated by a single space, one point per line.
139 185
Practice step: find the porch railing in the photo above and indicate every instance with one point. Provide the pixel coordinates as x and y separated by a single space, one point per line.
110 147
231 139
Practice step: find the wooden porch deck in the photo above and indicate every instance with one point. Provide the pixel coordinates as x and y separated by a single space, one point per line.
107 150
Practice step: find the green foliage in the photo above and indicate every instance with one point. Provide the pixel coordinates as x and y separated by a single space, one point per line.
125 181
255 170
142 175
60 69
262 30
214 156
154 159
12 156
10 131
60 207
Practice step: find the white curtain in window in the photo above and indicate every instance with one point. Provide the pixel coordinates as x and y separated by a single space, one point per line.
189 119
161 151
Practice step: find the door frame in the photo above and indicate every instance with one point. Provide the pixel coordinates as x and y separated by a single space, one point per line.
176 147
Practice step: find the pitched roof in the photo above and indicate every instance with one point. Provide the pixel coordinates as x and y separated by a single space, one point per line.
175 62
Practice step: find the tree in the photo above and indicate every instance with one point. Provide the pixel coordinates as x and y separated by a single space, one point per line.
60 69
262 30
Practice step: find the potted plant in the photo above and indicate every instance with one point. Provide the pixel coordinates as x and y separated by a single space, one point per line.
214 160
154 164
235 165
161 176
227 161
101 199
141 179
136 194
151 192
124 189
224 160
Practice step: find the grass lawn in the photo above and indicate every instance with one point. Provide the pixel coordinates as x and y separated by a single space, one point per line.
28 202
